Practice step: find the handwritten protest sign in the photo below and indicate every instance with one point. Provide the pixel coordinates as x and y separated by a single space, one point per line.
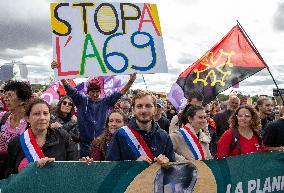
92 39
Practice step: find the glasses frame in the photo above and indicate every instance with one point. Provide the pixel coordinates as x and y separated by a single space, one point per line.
65 103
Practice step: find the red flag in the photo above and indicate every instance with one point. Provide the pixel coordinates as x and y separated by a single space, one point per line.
61 91
229 62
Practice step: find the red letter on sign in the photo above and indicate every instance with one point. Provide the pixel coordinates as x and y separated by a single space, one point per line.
142 20
60 73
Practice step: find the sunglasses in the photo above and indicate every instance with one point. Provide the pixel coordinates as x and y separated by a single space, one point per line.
65 103
1 91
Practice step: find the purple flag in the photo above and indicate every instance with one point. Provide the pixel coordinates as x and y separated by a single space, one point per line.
82 87
176 97
111 85
50 95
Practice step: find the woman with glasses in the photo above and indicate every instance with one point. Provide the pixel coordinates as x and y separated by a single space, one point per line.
242 137
192 140
13 122
64 118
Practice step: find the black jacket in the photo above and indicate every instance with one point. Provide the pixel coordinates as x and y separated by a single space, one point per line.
222 121
68 125
274 135
58 145
157 140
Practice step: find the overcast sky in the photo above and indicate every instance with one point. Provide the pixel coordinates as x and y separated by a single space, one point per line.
190 28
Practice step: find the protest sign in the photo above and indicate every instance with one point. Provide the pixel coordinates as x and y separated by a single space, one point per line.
94 39
276 93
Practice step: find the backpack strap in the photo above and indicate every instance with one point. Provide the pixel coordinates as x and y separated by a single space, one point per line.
235 141
4 119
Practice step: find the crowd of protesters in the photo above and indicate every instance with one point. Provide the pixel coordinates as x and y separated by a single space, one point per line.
138 127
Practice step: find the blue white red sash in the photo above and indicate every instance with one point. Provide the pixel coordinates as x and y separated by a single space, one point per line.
192 143
30 147
136 142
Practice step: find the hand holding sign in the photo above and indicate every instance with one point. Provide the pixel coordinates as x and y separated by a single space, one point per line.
129 83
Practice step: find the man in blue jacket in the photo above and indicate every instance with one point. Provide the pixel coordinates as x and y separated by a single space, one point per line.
92 110
142 139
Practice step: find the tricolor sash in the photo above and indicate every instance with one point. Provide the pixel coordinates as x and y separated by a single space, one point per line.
30 147
192 143
136 142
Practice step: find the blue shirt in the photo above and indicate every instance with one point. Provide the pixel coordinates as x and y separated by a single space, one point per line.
91 115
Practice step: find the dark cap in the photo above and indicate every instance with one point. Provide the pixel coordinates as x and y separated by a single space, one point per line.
160 103
94 85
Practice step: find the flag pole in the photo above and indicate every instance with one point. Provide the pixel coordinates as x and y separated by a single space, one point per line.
144 82
257 52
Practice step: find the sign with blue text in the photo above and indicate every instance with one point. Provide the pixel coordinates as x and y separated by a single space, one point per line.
94 39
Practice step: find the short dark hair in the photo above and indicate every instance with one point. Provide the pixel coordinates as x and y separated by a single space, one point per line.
194 94
260 102
191 111
94 85
34 102
22 89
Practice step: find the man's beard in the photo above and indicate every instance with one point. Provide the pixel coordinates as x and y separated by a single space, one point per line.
144 121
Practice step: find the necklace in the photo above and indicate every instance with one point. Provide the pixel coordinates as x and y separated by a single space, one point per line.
18 128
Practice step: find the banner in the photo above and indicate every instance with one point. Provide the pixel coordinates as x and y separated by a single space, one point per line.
99 39
251 173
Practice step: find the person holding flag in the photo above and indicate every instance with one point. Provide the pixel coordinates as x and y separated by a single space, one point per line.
142 139
92 110
191 141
